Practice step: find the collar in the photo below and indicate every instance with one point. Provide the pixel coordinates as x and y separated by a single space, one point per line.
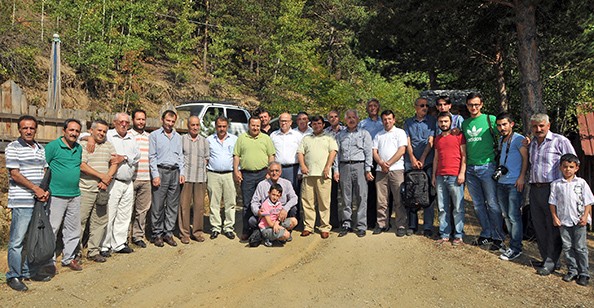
23 143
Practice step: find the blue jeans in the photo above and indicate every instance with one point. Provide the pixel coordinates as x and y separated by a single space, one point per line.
575 248
510 200
483 190
17 267
447 187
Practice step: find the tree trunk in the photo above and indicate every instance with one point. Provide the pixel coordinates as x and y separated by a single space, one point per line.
529 60
432 80
205 43
500 72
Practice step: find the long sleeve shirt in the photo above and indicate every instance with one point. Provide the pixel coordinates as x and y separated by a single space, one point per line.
165 150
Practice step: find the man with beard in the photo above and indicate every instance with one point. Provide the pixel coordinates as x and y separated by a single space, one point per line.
264 117
449 168
142 179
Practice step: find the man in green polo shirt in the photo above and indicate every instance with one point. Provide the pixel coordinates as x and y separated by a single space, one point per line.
63 156
251 155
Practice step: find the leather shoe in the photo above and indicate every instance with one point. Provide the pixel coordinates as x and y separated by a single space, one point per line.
97 258
158 241
185 240
140 243
343 231
214 235
105 254
17 284
170 241
73 265
378 230
305 233
41 278
583 280
569 277
325 235
229 235
126 249
199 238
360 233
543 271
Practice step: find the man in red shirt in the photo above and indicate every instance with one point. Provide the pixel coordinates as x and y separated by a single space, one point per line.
448 177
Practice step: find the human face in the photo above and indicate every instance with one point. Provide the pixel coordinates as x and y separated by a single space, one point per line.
27 129
317 126
193 126
505 127
302 121
169 122
72 132
421 108
139 121
264 119
444 123
388 121
540 129
274 195
442 106
372 109
99 132
221 127
569 169
121 124
474 107
351 120
274 171
254 127
333 119
285 122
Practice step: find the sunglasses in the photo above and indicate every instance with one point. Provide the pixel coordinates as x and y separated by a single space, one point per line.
422 105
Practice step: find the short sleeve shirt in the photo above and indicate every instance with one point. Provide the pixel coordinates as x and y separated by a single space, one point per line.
30 160
479 140
253 152
98 160
315 150
269 209
570 199
419 133
514 158
387 144
449 155
64 163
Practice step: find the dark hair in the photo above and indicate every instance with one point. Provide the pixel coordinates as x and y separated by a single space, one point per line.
505 115
168 112
222 118
570 158
472 95
260 110
302 112
387 113
444 98
68 121
317 118
444 114
277 187
99 121
135 111
254 118
373 100
26 117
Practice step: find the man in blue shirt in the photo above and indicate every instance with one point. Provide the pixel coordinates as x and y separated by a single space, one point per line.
420 131
166 163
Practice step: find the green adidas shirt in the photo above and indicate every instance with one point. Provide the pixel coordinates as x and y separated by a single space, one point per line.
479 140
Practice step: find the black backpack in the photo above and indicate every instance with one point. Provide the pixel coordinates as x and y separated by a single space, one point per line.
41 241
415 190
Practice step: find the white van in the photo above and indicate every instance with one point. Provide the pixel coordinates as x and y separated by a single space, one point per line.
238 116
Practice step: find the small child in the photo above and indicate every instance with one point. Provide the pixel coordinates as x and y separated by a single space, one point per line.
270 226
570 202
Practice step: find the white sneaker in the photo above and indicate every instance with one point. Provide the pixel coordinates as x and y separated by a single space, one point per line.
509 255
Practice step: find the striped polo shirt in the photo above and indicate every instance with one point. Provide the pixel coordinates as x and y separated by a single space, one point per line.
142 140
30 160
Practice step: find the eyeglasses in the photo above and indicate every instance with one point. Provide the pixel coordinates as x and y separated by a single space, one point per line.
473 105
422 105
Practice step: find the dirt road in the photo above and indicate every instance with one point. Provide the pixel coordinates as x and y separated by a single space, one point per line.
374 271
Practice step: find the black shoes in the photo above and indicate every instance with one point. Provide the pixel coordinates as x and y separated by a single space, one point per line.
97 258
360 233
400 232
140 243
569 277
543 271
159 241
17 284
255 239
583 280
214 235
126 249
228 234
428 233
343 231
105 254
169 240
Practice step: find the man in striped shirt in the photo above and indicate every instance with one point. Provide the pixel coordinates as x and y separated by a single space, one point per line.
546 150
142 178
25 161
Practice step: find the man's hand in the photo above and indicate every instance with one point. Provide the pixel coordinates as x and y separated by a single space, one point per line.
276 227
461 178
455 131
433 181
526 141
238 176
117 159
368 176
41 194
304 170
326 173
182 179
584 220
157 182
106 178
336 176
282 215
102 186
90 144
557 222
520 184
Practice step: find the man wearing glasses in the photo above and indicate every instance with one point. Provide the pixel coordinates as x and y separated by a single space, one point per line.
479 131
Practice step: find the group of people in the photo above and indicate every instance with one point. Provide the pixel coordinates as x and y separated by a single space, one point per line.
104 185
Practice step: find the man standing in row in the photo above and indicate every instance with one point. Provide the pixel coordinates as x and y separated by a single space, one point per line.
25 161
264 117
220 179
546 150
352 171
444 104
142 179
166 162
286 142
389 147
253 151
196 152
63 156
333 130
373 124
121 197
316 154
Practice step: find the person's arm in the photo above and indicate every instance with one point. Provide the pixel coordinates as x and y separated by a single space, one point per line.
88 170
462 174
329 162
434 169
584 218
556 220
521 179
259 196
426 152
396 157
302 165
409 149
20 179
153 160
236 171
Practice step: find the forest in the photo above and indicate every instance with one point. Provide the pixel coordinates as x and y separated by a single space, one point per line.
525 56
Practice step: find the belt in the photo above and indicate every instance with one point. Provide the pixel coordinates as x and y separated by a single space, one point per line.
253 171
289 165
540 184
168 167
123 181
350 162
220 172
